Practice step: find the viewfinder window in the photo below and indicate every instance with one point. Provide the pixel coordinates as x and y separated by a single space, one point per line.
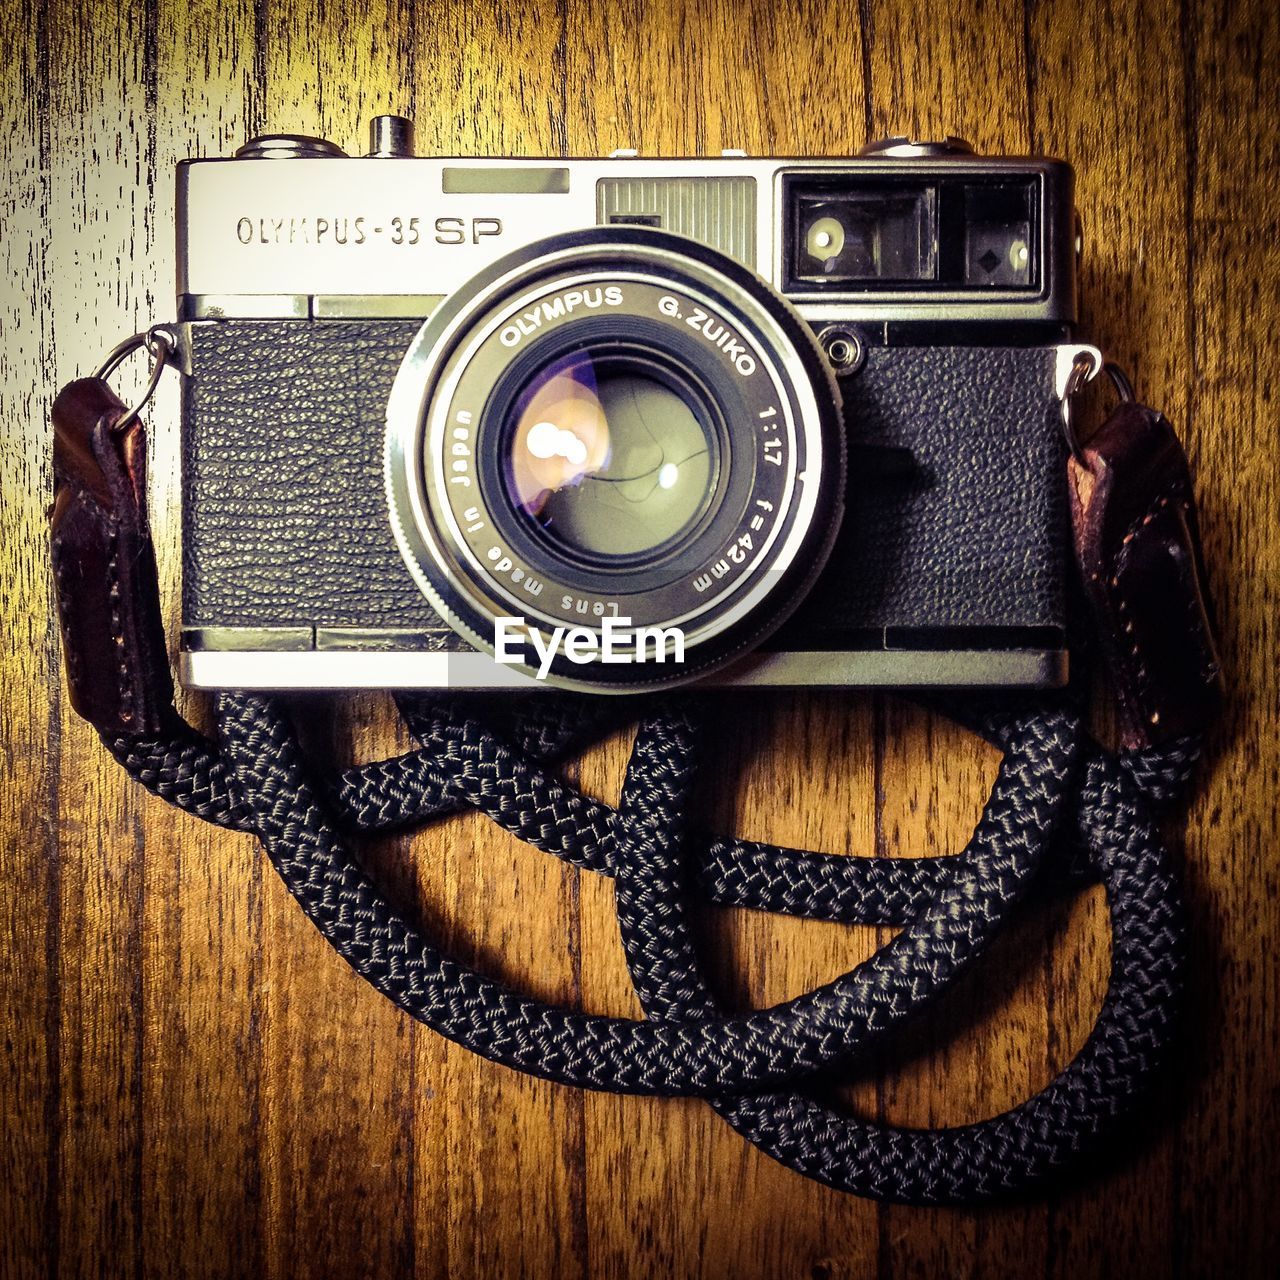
855 233
884 234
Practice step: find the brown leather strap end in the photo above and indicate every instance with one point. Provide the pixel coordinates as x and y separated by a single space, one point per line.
1138 544
104 565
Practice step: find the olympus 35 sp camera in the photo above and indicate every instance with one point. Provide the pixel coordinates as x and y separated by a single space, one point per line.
625 422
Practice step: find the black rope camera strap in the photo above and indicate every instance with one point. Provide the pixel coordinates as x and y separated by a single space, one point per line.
1052 782
1061 806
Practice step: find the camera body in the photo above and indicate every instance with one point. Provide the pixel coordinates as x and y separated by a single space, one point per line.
935 288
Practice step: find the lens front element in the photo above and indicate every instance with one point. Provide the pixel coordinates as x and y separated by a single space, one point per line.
611 456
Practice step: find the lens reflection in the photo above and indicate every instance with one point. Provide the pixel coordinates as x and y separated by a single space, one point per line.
611 456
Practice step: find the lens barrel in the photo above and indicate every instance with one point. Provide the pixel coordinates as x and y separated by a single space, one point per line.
616 424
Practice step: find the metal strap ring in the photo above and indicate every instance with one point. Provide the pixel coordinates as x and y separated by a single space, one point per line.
1119 380
161 344
1082 370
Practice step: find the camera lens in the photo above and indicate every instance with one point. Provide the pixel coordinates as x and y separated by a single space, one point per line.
611 456
616 423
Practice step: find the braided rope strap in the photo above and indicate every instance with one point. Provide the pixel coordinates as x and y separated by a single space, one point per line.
963 1164
1050 781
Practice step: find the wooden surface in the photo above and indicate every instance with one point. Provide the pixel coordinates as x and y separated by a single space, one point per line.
191 1082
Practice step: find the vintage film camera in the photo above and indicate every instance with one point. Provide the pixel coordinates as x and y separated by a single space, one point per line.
795 421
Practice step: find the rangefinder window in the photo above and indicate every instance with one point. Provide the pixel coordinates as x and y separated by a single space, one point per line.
998 234
852 235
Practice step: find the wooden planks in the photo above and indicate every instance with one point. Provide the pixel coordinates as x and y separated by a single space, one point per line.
29 933
1231 1094
191 1083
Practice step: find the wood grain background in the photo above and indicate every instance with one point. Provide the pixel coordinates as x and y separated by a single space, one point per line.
191 1083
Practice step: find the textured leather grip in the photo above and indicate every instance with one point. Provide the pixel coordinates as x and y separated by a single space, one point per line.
1138 543
104 565
285 520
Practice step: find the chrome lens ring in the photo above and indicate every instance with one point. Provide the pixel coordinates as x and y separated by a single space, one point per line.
743 572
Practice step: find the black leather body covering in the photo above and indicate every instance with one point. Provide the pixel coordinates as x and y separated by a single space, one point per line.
286 523
285 517
975 534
